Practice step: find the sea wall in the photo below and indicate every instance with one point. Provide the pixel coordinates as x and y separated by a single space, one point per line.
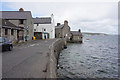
54 51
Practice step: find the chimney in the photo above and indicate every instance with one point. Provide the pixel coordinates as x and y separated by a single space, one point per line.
52 15
52 18
79 30
21 9
66 22
58 24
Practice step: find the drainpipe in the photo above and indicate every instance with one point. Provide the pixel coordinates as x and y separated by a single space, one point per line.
26 32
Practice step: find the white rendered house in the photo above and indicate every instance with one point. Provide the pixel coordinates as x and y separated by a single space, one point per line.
44 27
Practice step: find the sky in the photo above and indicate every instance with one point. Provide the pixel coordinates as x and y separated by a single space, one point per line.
97 16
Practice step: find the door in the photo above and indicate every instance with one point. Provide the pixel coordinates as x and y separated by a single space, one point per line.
38 35
18 35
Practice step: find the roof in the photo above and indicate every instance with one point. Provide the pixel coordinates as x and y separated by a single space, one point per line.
60 26
76 33
14 14
44 20
7 24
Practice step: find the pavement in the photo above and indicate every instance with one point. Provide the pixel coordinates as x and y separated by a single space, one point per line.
27 60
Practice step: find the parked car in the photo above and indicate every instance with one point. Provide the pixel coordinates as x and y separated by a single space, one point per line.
5 44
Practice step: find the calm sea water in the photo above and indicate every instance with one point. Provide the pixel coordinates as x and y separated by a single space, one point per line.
96 57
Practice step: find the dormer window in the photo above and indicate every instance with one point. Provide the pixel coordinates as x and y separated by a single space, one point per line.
21 21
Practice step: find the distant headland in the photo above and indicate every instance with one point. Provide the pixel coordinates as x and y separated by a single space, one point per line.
89 33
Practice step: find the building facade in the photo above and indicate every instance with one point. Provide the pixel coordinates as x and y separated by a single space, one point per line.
11 31
21 19
44 27
63 30
76 36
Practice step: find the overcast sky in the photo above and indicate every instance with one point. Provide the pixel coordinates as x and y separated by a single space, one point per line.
95 16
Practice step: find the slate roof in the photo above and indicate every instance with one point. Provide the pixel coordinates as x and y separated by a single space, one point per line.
14 14
44 20
60 26
7 24
76 33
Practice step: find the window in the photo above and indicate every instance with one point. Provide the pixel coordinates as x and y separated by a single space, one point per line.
34 29
12 32
21 21
6 31
44 29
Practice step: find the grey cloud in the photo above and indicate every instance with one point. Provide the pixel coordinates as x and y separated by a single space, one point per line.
88 16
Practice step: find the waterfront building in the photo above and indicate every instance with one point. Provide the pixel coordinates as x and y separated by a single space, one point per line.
17 25
44 27
62 30
76 36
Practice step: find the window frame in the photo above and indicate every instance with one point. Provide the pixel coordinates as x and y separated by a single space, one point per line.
21 21
44 29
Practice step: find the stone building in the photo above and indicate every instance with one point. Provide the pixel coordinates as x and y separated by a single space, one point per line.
21 19
9 30
44 27
76 36
62 30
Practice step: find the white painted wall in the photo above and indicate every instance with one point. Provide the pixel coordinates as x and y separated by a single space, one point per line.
49 29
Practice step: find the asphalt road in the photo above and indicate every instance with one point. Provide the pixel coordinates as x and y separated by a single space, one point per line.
28 60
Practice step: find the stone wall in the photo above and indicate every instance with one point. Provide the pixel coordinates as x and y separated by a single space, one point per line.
13 37
66 31
54 51
28 23
63 32
58 33
77 39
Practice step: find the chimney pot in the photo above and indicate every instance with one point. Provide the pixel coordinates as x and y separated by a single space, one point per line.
58 24
66 22
21 9
79 30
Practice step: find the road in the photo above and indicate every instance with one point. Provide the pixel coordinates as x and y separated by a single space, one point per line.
28 60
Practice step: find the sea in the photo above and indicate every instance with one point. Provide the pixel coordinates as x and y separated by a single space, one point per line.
96 57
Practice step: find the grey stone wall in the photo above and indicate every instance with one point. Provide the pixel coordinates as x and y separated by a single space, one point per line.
27 23
58 32
77 39
30 24
66 32
13 37
15 22
54 51
63 32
